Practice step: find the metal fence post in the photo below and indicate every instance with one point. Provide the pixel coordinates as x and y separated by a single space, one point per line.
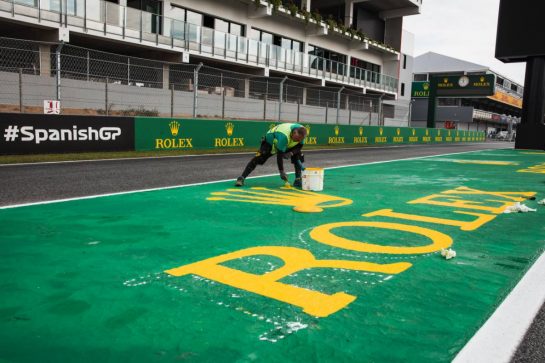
58 56
370 110
350 114
265 100
223 103
381 111
280 98
106 96
339 104
21 90
172 100
326 110
298 110
195 88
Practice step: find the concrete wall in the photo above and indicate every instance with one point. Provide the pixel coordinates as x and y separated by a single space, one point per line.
444 113
369 23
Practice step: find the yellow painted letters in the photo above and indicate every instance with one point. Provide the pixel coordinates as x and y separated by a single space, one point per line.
449 199
324 235
464 226
295 259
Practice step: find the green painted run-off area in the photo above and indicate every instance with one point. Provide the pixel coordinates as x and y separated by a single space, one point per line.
84 281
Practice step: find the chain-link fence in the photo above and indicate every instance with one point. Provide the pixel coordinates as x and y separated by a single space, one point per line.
88 81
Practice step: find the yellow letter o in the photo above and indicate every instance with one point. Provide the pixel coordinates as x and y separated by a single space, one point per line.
324 235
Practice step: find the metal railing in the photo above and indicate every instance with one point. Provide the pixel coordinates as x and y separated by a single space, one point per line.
87 82
128 23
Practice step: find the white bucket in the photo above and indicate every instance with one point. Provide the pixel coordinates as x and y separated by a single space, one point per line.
313 179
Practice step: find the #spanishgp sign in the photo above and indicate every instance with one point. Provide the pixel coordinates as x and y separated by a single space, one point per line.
30 134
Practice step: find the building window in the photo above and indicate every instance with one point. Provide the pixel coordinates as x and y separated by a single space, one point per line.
150 6
361 69
420 77
254 34
332 61
235 29
207 21
404 61
150 24
221 25
268 38
402 89
286 43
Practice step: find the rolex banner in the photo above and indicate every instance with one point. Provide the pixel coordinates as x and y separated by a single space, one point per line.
193 134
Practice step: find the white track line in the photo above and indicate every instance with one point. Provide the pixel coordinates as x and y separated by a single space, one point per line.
497 340
212 182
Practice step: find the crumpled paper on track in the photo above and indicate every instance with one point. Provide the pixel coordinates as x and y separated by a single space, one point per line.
542 202
448 253
518 208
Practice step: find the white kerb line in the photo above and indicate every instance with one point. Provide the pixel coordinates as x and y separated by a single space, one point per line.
498 339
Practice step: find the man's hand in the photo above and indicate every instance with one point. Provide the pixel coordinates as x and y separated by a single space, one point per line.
283 176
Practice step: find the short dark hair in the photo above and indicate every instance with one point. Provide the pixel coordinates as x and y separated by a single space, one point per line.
301 131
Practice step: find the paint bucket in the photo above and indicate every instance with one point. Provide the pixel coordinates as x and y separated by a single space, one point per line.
313 179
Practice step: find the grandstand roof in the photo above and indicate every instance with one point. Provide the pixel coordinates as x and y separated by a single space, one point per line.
431 62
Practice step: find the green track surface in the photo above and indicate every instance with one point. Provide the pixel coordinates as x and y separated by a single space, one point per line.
84 280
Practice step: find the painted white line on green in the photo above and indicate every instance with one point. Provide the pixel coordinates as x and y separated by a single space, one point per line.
497 340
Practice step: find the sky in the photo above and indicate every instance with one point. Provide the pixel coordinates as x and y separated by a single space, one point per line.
463 29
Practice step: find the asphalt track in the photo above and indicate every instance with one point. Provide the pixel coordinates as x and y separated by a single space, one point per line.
31 183
35 183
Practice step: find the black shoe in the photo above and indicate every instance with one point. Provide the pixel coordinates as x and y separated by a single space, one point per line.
298 183
240 182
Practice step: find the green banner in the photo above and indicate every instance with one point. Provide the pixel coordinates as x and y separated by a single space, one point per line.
420 89
464 86
197 134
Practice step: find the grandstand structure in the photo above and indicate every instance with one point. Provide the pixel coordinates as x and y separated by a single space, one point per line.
497 114
350 51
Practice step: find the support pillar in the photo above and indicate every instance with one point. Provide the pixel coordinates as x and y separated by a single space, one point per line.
531 131
166 78
45 60
348 13
247 88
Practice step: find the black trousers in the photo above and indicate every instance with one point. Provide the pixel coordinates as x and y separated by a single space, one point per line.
265 152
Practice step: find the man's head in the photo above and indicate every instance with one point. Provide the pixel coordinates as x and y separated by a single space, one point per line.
299 134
